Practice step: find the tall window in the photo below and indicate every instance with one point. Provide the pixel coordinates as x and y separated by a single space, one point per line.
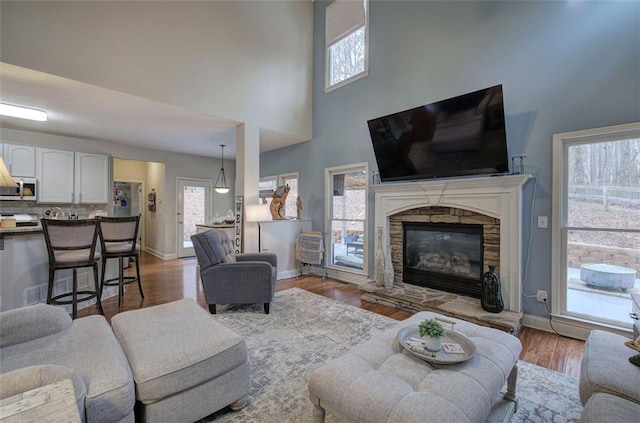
268 184
346 40
597 204
347 216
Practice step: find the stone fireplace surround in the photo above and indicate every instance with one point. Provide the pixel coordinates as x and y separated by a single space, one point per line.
498 197
449 216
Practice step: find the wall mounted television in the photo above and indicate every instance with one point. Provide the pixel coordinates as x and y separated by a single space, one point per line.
459 136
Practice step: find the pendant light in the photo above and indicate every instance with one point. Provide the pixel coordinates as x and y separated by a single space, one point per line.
221 183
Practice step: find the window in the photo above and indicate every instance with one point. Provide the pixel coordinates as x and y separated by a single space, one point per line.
268 184
347 216
291 179
346 38
597 204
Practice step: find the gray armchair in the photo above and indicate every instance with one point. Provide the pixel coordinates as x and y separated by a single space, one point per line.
229 278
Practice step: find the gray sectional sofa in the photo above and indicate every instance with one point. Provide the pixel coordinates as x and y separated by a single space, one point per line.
40 344
609 383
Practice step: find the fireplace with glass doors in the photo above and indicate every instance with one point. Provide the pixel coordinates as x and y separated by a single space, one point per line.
446 257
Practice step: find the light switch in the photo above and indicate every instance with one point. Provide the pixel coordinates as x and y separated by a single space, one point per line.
542 222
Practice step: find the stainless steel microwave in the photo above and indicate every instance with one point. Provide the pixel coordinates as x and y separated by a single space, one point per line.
25 190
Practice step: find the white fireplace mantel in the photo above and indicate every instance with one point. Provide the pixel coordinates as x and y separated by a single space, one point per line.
499 197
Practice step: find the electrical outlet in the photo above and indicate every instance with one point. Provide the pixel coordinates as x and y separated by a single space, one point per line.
542 222
541 296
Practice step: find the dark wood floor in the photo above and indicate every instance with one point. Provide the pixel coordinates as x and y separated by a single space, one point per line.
170 280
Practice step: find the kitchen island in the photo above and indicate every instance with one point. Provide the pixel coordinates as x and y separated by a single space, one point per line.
24 270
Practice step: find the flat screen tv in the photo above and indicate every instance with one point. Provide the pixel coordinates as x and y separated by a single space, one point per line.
460 136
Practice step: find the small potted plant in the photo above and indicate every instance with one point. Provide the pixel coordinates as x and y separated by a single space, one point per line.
431 331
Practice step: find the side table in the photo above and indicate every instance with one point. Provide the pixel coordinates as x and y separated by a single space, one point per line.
53 403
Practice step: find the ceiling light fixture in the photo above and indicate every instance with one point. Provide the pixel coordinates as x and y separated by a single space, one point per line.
221 183
22 112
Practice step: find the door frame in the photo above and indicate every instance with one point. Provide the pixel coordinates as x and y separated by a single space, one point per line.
142 212
208 185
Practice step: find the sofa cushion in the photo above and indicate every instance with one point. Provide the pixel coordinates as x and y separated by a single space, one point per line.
216 246
606 408
176 346
27 323
90 348
606 368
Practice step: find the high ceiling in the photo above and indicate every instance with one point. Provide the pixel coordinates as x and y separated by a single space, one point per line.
76 109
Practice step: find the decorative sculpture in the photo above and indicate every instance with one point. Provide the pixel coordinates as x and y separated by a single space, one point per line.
277 203
298 208
378 266
491 299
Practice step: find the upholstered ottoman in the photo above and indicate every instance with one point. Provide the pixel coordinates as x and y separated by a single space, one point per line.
606 368
607 408
185 365
378 381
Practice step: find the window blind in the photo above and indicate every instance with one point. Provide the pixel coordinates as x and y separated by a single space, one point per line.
342 18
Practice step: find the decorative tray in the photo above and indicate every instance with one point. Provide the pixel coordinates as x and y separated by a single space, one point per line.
467 347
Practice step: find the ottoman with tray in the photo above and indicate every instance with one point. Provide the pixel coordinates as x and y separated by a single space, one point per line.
185 365
383 380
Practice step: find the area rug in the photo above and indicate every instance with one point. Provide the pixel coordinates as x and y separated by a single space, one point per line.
305 330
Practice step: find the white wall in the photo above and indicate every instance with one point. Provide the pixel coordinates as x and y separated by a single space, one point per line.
250 61
564 66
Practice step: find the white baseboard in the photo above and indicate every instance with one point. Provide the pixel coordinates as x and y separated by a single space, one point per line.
572 328
288 274
160 255
348 277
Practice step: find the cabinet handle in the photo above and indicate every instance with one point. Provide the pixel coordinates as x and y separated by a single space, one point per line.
634 316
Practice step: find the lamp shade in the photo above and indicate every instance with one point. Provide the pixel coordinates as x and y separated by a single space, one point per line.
6 180
257 212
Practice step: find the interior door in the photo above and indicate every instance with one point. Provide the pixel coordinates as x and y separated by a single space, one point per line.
194 207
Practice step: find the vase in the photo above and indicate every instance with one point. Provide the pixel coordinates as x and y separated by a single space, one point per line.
388 269
432 344
379 260
491 297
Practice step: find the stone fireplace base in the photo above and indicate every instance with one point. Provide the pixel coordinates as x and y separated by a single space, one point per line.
415 298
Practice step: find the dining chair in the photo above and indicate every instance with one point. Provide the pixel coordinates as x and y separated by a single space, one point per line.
118 239
71 244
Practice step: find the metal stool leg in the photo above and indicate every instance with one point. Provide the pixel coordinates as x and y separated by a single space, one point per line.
120 281
74 302
138 274
98 285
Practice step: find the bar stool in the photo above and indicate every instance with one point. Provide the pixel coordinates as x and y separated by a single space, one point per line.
71 244
118 239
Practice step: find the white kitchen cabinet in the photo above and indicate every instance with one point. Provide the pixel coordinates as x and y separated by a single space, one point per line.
91 178
20 159
55 174
65 177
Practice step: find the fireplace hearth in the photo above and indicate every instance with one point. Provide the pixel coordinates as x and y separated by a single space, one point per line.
444 257
493 202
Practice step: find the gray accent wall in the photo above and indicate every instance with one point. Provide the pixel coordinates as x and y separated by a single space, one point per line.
564 66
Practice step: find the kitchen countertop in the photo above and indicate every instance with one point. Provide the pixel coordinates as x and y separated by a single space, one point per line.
216 225
21 230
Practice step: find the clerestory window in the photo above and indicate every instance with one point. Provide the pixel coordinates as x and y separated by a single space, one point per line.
346 39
